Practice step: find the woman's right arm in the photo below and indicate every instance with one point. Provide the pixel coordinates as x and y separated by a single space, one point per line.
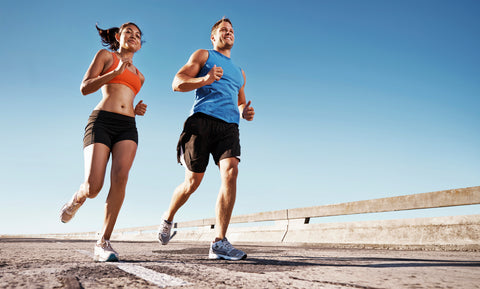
93 81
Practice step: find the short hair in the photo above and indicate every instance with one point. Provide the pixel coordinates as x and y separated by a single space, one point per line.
215 26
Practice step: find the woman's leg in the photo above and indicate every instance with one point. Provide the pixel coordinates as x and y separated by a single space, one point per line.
96 158
123 154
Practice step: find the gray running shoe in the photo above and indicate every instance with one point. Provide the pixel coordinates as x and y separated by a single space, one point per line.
104 252
69 209
164 232
224 250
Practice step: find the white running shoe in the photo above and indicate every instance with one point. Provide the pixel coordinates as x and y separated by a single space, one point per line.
104 252
164 232
224 250
69 209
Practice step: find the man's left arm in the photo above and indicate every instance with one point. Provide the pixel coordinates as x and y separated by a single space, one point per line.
246 111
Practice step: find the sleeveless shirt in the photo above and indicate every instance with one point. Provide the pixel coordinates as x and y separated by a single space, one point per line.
220 99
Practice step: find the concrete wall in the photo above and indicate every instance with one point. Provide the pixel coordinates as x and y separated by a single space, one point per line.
292 226
455 232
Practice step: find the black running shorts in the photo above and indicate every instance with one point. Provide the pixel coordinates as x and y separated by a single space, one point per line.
109 128
203 135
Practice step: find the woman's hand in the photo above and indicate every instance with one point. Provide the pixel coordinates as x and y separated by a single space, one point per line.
140 108
122 65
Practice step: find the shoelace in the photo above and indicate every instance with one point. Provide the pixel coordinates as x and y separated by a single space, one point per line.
166 227
227 245
70 209
108 247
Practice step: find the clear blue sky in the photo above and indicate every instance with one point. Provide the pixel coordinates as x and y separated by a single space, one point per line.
354 100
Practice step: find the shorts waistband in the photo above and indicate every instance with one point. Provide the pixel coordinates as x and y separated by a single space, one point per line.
206 116
104 113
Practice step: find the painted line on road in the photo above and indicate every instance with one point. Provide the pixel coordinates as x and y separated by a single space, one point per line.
160 279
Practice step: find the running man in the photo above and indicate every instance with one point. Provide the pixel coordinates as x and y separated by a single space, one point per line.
212 128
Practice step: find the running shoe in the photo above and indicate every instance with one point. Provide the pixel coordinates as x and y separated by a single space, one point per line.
224 250
104 252
69 209
164 232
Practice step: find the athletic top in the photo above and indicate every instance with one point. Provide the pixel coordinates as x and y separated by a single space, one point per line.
127 77
220 99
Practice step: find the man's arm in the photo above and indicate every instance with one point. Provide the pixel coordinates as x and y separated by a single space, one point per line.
186 80
246 111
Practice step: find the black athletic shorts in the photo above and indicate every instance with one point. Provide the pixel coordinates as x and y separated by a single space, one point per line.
109 128
203 135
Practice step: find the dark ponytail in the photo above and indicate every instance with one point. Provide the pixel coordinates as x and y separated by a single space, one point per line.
108 36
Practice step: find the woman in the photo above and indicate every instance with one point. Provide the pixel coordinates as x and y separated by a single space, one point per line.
111 128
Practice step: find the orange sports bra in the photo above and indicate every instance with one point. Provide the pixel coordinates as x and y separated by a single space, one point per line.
127 77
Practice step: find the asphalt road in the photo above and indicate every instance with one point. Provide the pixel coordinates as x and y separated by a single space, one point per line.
46 263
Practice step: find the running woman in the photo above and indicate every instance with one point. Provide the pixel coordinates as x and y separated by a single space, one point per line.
111 128
212 128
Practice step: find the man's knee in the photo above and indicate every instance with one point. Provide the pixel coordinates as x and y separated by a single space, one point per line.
229 169
191 185
192 182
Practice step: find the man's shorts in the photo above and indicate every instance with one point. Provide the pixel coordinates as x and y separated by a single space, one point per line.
203 135
109 128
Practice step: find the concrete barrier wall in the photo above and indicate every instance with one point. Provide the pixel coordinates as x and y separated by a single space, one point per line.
293 226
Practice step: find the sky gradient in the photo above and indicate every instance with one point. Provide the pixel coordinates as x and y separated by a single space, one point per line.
354 100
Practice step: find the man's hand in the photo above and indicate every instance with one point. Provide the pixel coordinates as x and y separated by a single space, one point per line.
140 108
214 74
248 111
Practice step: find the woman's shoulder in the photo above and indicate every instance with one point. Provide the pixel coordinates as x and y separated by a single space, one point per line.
104 53
105 59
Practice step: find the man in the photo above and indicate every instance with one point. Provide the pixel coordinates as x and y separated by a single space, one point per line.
212 128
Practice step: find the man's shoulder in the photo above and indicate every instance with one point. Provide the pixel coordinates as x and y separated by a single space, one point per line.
199 56
201 52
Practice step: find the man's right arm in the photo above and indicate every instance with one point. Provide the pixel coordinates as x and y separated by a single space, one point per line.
186 80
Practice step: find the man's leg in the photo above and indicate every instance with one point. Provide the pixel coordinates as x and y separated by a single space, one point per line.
226 196
180 196
221 247
183 192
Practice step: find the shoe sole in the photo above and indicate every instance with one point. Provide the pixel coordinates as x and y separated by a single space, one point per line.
170 238
162 241
110 258
225 257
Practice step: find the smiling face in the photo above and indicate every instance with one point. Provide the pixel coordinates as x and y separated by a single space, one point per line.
223 36
130 38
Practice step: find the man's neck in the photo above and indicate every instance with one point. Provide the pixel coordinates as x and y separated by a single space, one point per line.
225 52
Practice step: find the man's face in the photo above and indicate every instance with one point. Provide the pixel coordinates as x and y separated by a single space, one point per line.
223 37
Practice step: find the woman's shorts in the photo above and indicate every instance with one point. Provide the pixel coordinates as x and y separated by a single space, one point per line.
203 135
109 128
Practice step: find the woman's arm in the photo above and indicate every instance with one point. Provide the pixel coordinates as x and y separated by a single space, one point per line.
93 81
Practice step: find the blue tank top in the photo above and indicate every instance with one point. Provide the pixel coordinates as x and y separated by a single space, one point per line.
220 99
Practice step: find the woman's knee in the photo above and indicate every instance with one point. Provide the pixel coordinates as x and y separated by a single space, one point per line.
119 177
91 190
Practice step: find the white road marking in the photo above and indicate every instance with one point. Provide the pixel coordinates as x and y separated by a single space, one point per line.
160 279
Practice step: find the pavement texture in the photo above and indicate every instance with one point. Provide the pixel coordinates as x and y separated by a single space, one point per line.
48 263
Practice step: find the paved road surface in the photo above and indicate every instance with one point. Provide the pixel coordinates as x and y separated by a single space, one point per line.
41 263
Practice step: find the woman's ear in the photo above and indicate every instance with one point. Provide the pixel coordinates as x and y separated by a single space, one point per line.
117 36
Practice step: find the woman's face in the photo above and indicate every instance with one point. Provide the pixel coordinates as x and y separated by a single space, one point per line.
130 38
